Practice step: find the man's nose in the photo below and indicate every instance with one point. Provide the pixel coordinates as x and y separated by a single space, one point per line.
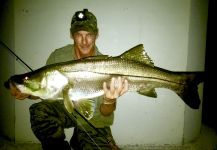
84 40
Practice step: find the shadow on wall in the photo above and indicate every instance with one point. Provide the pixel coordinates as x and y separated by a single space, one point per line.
209 100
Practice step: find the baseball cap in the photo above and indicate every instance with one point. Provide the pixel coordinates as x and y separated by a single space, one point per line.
84 20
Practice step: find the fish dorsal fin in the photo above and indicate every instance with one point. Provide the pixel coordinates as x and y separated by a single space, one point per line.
138 54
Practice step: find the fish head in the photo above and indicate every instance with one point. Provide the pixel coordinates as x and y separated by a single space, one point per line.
43 84
27 83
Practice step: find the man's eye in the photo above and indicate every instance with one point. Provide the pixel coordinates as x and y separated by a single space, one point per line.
77 35
90 35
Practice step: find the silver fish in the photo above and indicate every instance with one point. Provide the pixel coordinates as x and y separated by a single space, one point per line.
83 79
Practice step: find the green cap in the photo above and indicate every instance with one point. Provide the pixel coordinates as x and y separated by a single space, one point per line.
84 20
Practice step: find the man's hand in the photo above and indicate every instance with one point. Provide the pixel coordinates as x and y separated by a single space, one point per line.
16 93
117 87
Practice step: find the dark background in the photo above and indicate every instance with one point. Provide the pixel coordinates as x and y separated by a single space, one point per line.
209 111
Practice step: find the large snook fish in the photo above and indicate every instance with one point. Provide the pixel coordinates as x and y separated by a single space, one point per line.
83 79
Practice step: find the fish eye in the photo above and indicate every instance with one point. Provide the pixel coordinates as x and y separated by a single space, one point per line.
26 78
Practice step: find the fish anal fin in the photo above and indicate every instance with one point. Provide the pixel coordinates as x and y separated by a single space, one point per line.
148 92
138 54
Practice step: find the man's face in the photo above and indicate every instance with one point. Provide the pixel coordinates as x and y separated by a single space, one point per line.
84 42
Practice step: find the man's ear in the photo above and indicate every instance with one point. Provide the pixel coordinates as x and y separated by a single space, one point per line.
97 35
71 36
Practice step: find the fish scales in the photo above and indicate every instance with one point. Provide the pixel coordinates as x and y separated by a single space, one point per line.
117 66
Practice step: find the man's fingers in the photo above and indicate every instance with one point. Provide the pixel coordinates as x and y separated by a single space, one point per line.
117 87
125 87
105 88
112 85
16 92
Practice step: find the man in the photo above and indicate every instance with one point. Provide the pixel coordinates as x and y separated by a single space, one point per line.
49 118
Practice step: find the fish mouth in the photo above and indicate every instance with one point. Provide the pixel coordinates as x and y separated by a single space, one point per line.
14 80
7 84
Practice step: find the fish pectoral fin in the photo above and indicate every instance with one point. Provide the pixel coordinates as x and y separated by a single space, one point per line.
148 92
66 100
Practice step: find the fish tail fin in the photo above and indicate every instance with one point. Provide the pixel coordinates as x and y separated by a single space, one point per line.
189 91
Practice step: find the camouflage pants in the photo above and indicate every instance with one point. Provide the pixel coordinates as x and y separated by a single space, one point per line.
48 120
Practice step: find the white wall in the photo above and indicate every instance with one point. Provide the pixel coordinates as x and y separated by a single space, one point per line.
195 61
161 25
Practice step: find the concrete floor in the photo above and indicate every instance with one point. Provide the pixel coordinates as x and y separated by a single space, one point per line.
206 141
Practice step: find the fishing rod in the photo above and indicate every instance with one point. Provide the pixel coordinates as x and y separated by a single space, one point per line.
17 57
91 125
